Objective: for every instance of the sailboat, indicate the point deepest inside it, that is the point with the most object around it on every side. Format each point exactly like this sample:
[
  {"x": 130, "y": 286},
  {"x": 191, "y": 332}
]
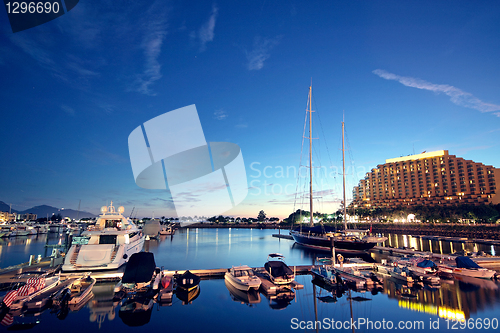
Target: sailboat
[{"x": 322, "y": 237}]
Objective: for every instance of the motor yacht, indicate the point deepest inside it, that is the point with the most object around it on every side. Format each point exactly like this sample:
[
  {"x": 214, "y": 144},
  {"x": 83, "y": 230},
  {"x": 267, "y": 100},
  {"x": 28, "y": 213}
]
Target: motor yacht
[{"x": 107, "y": 245}]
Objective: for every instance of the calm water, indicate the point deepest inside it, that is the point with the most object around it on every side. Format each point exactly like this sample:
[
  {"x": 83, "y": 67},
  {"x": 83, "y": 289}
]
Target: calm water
[{"x": 216, "y": 310}]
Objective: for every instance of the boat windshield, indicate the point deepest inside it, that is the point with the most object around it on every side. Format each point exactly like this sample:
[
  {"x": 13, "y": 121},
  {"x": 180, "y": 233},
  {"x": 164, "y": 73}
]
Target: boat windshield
[
  {"x": 243, "y": 272},
  {"x": 112, "y": 223},
  {"x": 107, "y": 239},
  {"x": 80, "y": 240}
]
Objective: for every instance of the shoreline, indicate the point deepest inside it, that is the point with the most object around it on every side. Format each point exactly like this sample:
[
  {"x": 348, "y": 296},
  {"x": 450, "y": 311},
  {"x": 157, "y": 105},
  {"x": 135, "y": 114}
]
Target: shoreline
[{"x": 478, "y": 231}]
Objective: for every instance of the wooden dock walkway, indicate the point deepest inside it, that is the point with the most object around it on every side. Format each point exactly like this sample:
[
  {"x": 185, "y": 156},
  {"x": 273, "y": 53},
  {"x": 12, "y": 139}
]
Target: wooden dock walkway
[{"x": 219, "y": 272}]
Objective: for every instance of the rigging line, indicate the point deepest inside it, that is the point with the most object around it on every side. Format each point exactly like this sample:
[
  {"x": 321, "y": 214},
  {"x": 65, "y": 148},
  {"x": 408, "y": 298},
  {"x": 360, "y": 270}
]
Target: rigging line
[
  {"x": 322, "y": 132},
  {"x": 353, "y": 166},
  {"x": 301, "y": 154}
]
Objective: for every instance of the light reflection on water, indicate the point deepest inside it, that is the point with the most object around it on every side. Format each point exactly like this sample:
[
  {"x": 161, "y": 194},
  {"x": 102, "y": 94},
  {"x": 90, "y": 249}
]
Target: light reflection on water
[{"x": 215, "y": 309}]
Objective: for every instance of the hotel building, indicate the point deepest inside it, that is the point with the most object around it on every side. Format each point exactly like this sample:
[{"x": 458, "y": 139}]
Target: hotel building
[{"x": 433, "y": 178}]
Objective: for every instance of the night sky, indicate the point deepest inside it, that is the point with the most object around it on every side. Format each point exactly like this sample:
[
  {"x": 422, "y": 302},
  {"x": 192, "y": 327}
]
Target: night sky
[{"x": 407, "y": 77}]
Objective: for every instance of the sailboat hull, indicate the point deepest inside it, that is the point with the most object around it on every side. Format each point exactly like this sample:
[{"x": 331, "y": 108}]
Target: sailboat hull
[{"x": 324, "y": 243}]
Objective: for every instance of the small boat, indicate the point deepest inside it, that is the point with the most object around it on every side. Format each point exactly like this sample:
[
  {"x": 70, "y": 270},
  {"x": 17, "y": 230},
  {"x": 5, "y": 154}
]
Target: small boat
[
  {"x": 6, "y": 230},
  {"x": 422, "y": 269},
  {"x": 152, "y": 228},
  {"x": 188, "y": 281},
  {"x": 167, "y": 230},
  {"x": 166, "y": 289},
  {"x": 327, "y": 274},
  {"x": 35, "y": 286},
  {"x": 401, "y": 273},
  {"x": 187, "y": 296},
  {"x": 141, "y": 275},
  {"x": 466, "y": 267},
  {"x": 277, "y": 270},
  {"x": 46, "y": 298},
  {"x": 242, "y": 278},
  {"x": 80, "y": 288}
]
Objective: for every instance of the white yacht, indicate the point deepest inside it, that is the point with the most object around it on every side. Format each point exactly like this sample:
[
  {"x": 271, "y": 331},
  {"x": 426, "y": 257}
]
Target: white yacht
[
  {"x": 242, "y": 278},
  {"x": 107, "y": 245}
]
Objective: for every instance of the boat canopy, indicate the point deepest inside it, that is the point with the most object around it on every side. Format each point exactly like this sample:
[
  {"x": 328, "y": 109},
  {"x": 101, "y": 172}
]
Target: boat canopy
[
  {"x": 188, "y": 279},
  {"x": 465, "y": 262},
  {"x": 278, "y": 268},
  {"x": 140, "y": 268},
  {"x": 427, "y": 263}
]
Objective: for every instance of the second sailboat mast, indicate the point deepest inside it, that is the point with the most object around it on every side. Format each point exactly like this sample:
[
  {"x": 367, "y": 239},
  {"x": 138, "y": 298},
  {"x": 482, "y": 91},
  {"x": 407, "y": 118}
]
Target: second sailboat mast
[{"x": 310, "y": 160}]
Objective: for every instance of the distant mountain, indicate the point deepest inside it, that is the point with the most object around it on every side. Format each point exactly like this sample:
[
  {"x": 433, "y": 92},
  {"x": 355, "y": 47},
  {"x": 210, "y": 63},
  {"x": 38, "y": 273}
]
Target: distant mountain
[
  {"x": 44, "y": 211},
  {"x": 5, "y": 208}
]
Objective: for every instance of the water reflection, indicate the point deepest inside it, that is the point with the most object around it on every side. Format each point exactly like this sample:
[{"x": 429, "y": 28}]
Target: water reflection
[
  {"x": 136, "y": 311},
  {"x": 222, "y": 248},
  {"x": 438, "y": 245},
  {"x": 103, "y": 305},
  {"x": 249, "y": 298},
  {"x": 455, "y": 299}
]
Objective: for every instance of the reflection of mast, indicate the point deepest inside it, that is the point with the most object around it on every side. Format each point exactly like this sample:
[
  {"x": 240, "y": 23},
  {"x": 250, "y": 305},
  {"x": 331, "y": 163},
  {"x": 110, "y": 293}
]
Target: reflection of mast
[
  {"x": 315, "y": 307},
  {"x": 350, "y": 302}
]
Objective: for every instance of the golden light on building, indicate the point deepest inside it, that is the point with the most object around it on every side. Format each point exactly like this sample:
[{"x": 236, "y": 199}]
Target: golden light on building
[{"x": 434, "y": 178}]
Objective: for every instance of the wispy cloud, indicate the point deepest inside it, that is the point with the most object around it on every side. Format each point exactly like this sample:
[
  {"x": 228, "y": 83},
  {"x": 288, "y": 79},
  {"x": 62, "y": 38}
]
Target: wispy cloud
[
  {"x": 206, "y": 32},
  {"x": 220, "y": 114},
  {"x": 68, "y": 110},
  {"x": 155, "y": 32},
  {"x": 98, "y": 154},
  {"x": 260, "y": 52},
  {"x": 456, "y": 95}
]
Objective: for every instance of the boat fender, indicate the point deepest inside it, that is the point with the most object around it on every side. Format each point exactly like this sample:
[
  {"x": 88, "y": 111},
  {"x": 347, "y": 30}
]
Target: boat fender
[
  {"x": 125, "y": 256},
  {"x": 156, "y": 283},
  {"x": 118, "y": 287}
]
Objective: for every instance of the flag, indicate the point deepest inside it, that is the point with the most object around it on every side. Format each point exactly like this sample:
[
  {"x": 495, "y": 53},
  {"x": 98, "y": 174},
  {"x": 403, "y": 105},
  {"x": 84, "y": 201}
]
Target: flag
[
  {"x": 9, "y": 298},
  {"x": 7, "y": 320}
]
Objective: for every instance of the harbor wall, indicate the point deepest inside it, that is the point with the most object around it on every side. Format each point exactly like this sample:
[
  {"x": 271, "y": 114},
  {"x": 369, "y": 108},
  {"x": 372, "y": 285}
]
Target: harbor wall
[{"x": 450, "y": 230}]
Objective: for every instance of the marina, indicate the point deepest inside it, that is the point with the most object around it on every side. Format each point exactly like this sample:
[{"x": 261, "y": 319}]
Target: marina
[{"x": 200, "y": 250}]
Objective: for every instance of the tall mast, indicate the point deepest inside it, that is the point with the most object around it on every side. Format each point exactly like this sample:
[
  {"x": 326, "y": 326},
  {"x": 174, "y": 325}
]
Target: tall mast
[
  {"x": 343, "y": 176},
  {"x": 311, "y": 223}
]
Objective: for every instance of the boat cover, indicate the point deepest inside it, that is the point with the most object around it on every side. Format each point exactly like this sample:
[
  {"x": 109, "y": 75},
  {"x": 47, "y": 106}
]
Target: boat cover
[
  {"x": 278, "y": 268},
  {"x": 426, "y": 263},
  {"x": 140, "y": 268},
  {"x": 187, "y": 280},
  {"x": 465, "y": 262}
]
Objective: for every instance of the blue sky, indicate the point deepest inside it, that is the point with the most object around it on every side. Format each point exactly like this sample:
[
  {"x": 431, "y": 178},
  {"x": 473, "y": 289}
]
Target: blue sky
[{"x": 407, "y": 76}]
